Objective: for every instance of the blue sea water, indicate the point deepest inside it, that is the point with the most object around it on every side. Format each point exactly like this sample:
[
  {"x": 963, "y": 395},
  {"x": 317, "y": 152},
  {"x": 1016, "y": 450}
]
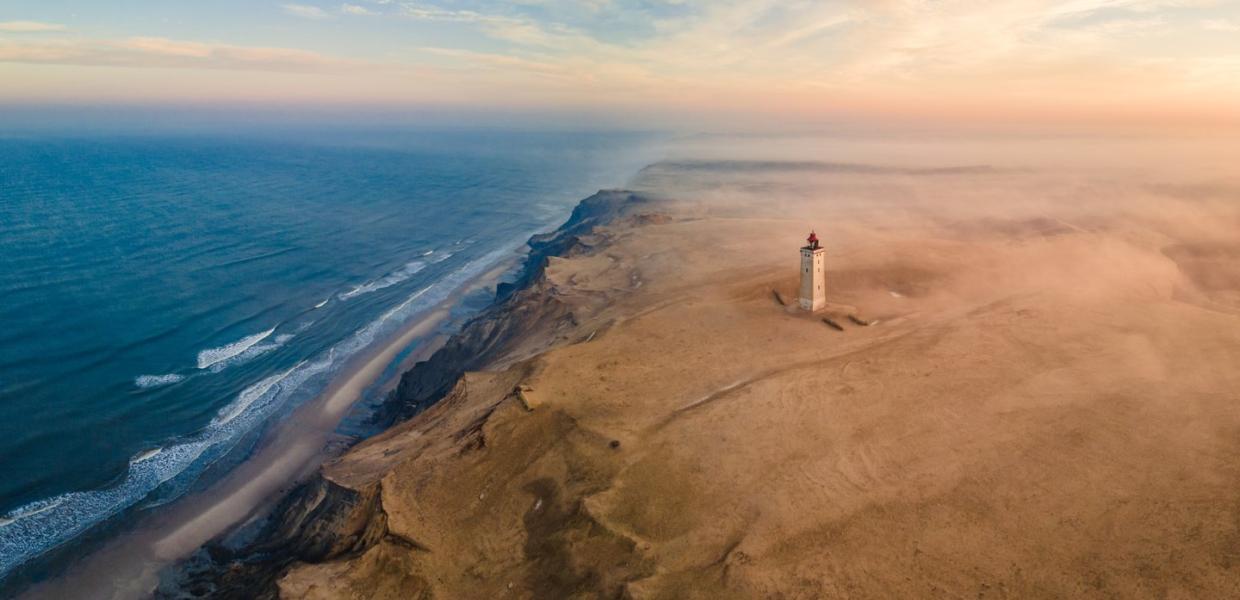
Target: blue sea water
[{"x": 162, "y": 297}]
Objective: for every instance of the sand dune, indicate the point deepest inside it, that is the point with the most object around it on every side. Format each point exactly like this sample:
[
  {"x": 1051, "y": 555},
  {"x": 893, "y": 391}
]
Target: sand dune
[{"x": 1045, "y": 408}]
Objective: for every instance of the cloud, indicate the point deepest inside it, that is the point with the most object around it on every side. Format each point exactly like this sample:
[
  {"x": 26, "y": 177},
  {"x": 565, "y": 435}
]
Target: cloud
[
  {"x": 29, "y": 27},
  {"x": 812, "y": 29},
  {"x": 1220, "y": 25},
  {"x": 798, "y": 57},
  {"x": 946, "y": 57},
  {"x": 305, "y": 11},
  {"x": 434, "y": 13},
  {"x": 156, "y": 52},
  {"x": 498, "y": 61}
]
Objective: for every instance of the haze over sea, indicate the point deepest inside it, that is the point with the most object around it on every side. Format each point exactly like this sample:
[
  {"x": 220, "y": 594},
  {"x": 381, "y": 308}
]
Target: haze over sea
[{"x": 163, "y": 296}]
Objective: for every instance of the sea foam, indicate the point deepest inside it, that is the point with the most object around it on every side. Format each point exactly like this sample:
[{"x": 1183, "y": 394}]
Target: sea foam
[
  {"x": 146, "y": 455},
  {"x": 252, "y": 352},
  {"x": 249, "y": 395},
  {"x": 32, "y": 529},
  {"x": 32, "y": 509},
  {"x": 398, "y": 276},
  {"x": 211, "y": 356},
  {"x": 150, "y": 381}
]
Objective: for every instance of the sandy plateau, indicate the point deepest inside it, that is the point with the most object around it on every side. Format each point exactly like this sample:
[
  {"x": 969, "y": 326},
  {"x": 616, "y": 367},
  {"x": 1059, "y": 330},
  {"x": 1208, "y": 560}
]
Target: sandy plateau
[{"x": 1045, "y": 404}]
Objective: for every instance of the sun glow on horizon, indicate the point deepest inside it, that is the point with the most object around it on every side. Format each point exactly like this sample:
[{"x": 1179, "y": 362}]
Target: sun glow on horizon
[{"x": 1175, "y": 62}]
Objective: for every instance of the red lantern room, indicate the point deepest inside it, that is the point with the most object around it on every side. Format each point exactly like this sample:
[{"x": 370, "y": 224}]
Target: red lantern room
[{"x": 813, "y": 240}]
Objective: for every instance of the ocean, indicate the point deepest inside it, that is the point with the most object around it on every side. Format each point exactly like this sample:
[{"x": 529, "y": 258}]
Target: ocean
[{"x": 163, "y": 297}]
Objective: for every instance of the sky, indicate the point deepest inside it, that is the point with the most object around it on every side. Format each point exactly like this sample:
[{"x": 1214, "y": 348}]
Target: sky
[{"x": 1174, "y": 63}]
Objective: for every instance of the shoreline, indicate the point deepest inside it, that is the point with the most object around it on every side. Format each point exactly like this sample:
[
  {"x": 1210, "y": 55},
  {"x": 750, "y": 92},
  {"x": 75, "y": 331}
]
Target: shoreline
[
  {"x": 288, "y": 452},
  {"x": 641, "y": 415},
  {"x": 324, "y": 518}
]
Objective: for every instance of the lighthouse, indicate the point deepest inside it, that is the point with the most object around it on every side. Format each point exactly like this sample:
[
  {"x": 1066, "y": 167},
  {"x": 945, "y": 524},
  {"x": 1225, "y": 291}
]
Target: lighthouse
[{"x": 813, "y": 274}]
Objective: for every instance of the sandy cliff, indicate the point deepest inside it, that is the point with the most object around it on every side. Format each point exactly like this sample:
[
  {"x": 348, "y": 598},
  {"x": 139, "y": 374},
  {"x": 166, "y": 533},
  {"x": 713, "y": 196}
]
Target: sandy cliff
[
  {"x": 325, "y": 519},
  {"x": 1033, "y": 395}
]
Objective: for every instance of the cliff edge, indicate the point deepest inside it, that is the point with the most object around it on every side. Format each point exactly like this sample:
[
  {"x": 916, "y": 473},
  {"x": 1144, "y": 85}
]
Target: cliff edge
[
  {"x": 339, "y": 514},
  {"x": 1003, "y": 399}
]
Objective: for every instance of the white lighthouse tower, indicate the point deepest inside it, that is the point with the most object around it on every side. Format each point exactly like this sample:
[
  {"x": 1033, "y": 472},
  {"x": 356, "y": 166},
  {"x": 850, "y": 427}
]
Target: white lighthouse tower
[{"x": 813, "y": 275}]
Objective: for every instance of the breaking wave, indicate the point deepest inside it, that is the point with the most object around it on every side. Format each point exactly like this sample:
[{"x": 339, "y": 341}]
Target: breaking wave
[
  {"x": 146, "y": 455},
  {"x": 250, "y": 395},
  {"x": 402, "y": 274},
  {"x": 30, "y": 510},
  {"x": 32, "y": 529},
  {"x": 252, "y": 352},
  {"x": 212, "y": 356},
  {"x": 150, "y": 381},
  {"x": 36, "y": 527}
]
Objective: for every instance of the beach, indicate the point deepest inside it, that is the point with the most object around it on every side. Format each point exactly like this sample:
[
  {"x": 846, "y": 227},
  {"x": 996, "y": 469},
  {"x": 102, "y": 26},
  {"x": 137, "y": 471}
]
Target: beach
[
  {"x": 619, "y": 300},
  {"x": 129, "y": 567},
  {"x": 1030, "y": 398},
  {"x": 163, "y": 316},
  {"x": 1026, "y": 400}
]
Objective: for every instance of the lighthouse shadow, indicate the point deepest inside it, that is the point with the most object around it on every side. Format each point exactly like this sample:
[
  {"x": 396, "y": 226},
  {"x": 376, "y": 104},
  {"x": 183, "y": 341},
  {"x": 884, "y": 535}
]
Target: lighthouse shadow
[{"x": 834, "y": 315}]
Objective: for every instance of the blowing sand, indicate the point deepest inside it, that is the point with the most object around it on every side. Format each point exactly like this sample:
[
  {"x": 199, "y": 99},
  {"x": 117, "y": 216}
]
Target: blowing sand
[{"x": 1045, "y": 408}]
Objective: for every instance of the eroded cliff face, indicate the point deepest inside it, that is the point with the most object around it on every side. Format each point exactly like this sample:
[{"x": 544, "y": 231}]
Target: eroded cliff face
[
  {"x": 482, "y": 496},
  {"x": 320, "y": 520},
  {"x": 528, "y": 316},
  {"x": 339, "y": 515},
  {"x": 1024, "y": 407},
  {"x": 1031, "y": 400}
]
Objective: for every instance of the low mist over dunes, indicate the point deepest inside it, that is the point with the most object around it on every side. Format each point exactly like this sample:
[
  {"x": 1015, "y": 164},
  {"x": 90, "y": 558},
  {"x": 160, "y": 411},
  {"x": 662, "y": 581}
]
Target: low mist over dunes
[
  {"x": 1028, "y": 391},
  {"x": 872, "y": 299}
]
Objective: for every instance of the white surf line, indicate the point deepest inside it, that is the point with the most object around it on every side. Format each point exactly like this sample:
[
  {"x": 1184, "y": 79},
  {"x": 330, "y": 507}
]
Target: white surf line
[
  {"x": 400, "y": 275},
  {"x": 211, "y": 356},
  {"x": 146, "y": 455},
  {"x": 14, "y": 517},
  {"x": 151, "y": 381},
  {"x": 292, "y": 447},
  {"x": 250, "y": 395}
]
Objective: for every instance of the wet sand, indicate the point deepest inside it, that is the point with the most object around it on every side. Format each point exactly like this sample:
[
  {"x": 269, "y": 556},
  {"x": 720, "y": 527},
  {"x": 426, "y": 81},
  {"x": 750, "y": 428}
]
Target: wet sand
[{"x": 292, "y": 449}]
